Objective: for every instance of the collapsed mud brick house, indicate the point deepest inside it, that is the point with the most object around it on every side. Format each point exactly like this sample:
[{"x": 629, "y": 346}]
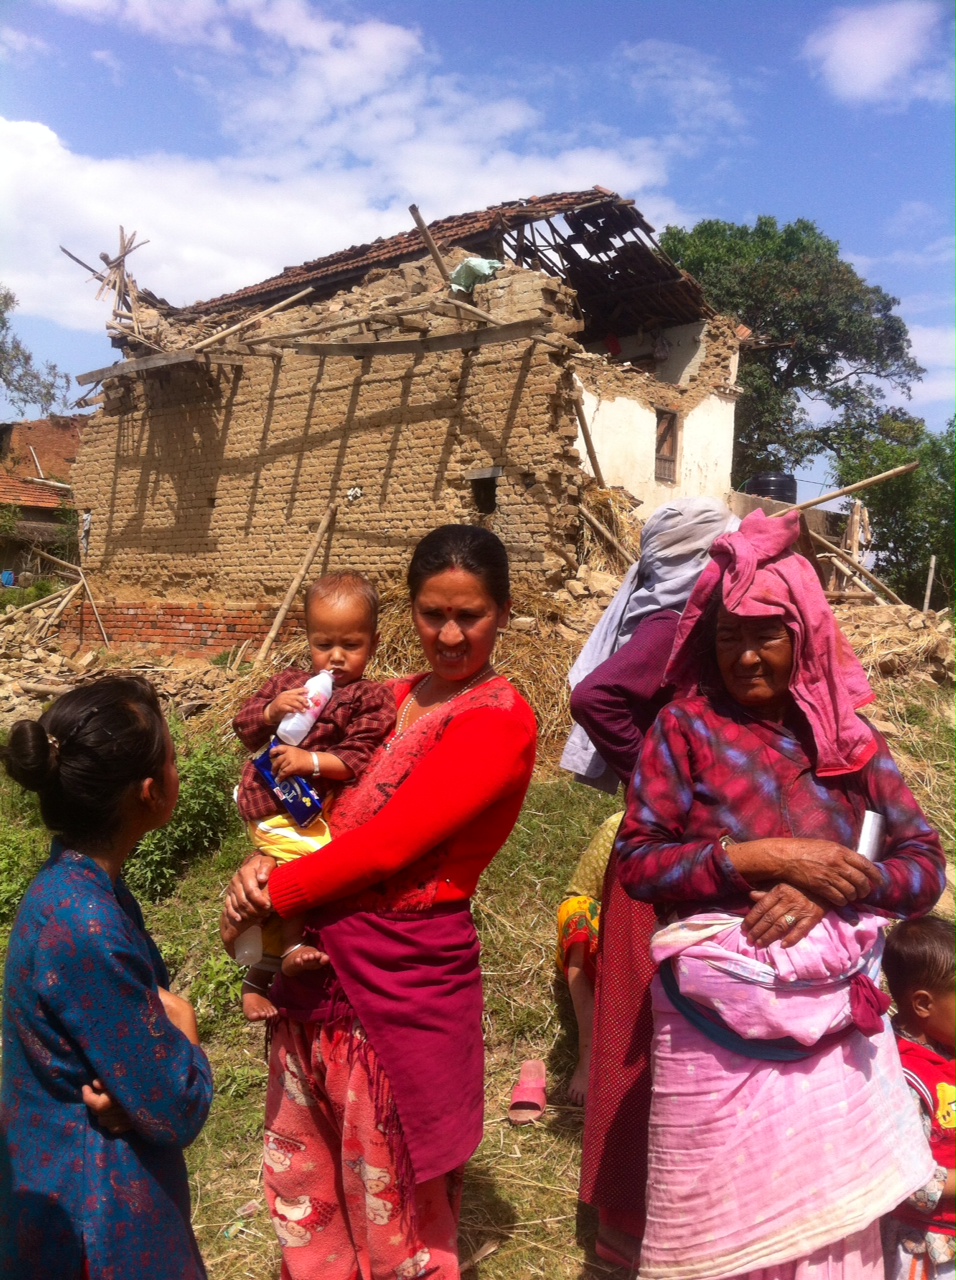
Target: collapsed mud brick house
[
  {"x": 364, "y": 380},
  {"x": 36, "y": 500}
]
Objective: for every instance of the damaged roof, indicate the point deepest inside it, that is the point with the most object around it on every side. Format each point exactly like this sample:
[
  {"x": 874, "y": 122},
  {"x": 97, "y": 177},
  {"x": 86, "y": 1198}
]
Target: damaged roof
[{"x": 595, "y": 241}]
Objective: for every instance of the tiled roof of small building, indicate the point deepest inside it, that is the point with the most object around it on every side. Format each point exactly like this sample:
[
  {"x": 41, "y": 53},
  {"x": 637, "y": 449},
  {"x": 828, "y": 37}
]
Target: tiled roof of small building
[{"x": 55, "y": 441}]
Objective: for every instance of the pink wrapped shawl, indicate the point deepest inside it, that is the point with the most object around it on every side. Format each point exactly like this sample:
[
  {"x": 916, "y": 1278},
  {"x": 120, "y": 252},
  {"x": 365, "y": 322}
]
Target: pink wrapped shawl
[
  {"x": 759, "y": 575},
  {"x": 756, "y": 1164}
]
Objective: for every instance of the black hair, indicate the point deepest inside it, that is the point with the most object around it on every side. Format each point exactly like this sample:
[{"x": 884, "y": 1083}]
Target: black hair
[
  {"x": 919, "y": 956},
  {"x": 86, "y": 751},
  {"x": 462, "y": 546},
  {"x": 345, "y": 586}
]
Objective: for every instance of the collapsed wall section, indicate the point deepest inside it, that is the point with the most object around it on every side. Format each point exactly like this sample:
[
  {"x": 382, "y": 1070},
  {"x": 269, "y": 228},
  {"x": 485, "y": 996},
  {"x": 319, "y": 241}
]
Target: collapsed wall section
[{"x": 207, "y": 483}]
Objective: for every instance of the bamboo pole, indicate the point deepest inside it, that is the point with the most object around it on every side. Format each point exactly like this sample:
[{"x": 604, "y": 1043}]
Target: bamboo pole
[
  {"x": 852, "y": 488},
  {"x": 607, "y": 535},
  {"x": 840, "y": 554},
  {"x": 588, "y": 442},
  {"x": 65, "y": 564},
  {"x": 251, "y": 320},
  {"x": 929, "y": 583},
  {"x": 59, "y": 610},
  {"x": 430, "y": 244},
  {"x": 296, "y": 584},
  {"x": 34, "y": 604}
]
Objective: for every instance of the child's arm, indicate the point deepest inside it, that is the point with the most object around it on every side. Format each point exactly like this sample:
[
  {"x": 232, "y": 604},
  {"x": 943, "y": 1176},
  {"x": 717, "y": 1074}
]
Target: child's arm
[
  {"x": 363, "y": 720},
  {"x": 256, "y": 720},
  {"x": 293, "y": 762}
]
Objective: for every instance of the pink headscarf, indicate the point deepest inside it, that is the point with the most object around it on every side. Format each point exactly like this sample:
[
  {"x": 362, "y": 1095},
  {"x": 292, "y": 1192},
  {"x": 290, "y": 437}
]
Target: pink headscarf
[{"x": 759, "y": 575}]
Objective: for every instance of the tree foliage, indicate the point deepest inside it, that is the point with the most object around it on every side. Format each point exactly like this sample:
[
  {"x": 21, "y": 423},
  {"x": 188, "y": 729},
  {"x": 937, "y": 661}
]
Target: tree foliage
[
  {"x": 819, "y": 332},
  {"x": 911, "y": 517},
  {"x": 25, "y": 382}
]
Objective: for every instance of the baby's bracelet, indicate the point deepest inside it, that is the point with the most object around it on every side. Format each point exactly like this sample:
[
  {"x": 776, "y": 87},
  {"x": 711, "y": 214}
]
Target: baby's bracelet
[{"x": 316, "y": 764}]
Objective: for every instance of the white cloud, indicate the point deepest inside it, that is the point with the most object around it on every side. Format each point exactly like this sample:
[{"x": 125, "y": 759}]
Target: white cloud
[
  {"x": 934, "y": 347},
  {"x": 887, "y": 53},
  {"x": 330, "y": 129},
  {"x": 106, "y": 58},
  {"x": 691, "y": 85},
  {"x": 14, "y": 43},
  {"x": 939, "y": 252}
]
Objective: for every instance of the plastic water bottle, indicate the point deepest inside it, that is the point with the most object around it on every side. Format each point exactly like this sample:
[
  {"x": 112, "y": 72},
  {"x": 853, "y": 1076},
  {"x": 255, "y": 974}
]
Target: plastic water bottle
[
  {"x": 249, "y": 946},
  {"x": 294, "y": 727}
]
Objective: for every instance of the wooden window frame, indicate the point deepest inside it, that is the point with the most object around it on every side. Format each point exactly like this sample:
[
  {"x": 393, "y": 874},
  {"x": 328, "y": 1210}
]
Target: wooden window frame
[{"x": 667, "y": 447}]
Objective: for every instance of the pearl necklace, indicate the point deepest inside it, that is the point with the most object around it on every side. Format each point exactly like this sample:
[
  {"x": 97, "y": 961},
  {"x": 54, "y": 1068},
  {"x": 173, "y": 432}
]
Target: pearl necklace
[{"x": 413, "y": 697}]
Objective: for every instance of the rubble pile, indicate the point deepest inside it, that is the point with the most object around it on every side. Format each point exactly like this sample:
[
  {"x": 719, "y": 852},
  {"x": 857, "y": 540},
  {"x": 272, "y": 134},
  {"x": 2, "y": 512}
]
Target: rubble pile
[
  {"x": 897, "y": 640},
  {"x": 33, "y": 671}
]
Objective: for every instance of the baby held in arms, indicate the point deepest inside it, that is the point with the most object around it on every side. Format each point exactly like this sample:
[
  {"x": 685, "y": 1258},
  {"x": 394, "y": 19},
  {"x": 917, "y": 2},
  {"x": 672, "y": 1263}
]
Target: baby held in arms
[{"x": 323, "y": 730}]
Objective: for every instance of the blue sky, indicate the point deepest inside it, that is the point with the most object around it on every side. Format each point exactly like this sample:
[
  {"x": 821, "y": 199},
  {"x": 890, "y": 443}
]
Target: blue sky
[{"x": 241, "y": 136}]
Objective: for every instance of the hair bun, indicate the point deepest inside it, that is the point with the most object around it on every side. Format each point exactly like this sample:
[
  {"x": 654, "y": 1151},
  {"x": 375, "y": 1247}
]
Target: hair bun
[{"x": 31, "y": 755}]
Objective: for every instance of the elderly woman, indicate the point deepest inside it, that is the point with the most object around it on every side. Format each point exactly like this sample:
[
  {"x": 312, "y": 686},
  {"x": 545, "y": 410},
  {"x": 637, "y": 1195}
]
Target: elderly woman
[
  {"x": 618, "y": 690},
  {"x": 376, "y": 1088},
  {"x": 779, "y": 1125}
]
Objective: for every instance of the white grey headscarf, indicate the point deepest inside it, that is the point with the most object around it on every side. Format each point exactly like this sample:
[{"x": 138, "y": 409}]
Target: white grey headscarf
[{"x": 675, "y": 549}]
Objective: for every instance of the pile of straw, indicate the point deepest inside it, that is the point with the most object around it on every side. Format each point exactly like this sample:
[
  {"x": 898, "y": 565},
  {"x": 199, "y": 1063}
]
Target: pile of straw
[{"x": 893, "y": 640}]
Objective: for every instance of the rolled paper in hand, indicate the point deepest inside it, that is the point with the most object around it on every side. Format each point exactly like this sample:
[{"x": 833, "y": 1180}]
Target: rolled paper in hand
[{"x": 870, "y": 844}]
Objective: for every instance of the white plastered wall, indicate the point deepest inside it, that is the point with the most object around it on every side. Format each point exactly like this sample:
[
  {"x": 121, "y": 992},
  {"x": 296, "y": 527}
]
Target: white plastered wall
[{"x": 625, "y": 437}]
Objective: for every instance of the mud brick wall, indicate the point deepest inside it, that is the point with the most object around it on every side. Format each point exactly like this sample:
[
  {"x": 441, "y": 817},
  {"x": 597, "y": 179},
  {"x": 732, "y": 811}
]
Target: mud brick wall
[{"x": 207, "y": 484}]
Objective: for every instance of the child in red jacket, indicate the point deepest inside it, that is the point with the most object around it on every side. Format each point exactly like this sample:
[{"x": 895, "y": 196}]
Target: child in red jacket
[
  {"x": 341, "y": 622},
  {"x": 918, "y": 1237}
]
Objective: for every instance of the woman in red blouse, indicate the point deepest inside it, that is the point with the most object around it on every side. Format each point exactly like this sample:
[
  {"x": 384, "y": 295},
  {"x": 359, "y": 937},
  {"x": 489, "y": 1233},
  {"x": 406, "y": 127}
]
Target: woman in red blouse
[{"x": 375, "y": 1098}]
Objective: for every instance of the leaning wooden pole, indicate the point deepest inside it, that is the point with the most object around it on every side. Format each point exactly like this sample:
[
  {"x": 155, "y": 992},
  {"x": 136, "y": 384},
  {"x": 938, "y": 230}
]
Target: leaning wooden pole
[
  {"x": 430, "y": 244},
  {"x": 857, "y": 568},
  {"x": 607, "y": 535},
  {"x": 65, "y": 564},
  {"x": 296, "y": 583},
  {"x": 588, "y": 442},
  {"x": 852, "y": 488}
]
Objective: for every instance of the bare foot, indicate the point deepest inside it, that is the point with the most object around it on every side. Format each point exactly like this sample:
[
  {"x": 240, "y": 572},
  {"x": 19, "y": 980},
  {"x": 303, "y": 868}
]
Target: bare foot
[
  {"x": 577, "y": 1091},
  {"x": 301, "y": 959},
  {"x": 256, "y": 1007}
]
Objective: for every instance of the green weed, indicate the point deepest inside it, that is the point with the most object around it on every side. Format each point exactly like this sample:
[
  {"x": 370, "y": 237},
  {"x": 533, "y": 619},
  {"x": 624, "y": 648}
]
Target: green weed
[{"x": 204, "y": 817}]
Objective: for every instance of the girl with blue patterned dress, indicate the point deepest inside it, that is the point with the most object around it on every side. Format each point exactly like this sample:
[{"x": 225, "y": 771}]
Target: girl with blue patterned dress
[{"x": 104, "y": 1082}]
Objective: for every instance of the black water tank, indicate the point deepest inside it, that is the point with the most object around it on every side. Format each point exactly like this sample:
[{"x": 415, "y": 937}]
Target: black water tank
[{"x": 773, "y": 484}]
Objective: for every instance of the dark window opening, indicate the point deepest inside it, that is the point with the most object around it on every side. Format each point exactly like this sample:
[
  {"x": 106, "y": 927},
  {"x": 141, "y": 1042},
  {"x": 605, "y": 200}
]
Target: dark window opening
[
  {"x": 484, "y": 490},
  {"x": 665, "y": 458}
]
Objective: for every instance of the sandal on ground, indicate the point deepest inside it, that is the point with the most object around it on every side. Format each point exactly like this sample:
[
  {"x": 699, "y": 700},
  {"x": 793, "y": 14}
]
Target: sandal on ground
[{"x": 528, "y": 1099}]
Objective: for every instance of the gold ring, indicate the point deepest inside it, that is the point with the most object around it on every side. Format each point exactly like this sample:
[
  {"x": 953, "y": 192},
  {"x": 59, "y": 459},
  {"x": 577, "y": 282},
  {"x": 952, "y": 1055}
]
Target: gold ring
[{"x": 790, "y": 920}]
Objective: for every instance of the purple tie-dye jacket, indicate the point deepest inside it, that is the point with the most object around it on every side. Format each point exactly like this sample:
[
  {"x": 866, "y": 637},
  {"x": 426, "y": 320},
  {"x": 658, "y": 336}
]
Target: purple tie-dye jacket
[
  {"x": 81, "y": 1003},
  {"x": 708, "y": 770}
]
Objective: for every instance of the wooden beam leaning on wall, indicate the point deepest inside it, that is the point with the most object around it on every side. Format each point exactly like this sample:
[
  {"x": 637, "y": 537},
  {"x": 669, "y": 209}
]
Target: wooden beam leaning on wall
[
  {"x": 519, "y": 331},
  {"x": 295, "y": 584},
  {"x": 164, "y": 361}
]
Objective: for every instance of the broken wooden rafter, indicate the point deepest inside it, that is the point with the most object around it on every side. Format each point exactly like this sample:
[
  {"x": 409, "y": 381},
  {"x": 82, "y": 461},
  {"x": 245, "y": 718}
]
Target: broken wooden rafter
[
  {"x": 839, "y": 554},
  {"x": 162, "y": 361},
  {"x": 462, "y": 340},
  {"x": 251, "y": 320},
  {"x": 853, "y": 488},
  {"x": 430, "y": 244}
]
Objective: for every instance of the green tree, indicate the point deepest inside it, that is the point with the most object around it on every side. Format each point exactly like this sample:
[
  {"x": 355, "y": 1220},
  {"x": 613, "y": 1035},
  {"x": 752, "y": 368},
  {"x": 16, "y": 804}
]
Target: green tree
[
  {"x": 25, "y": 382},
  {"x": 912, "y": 517},
  {"x": 819, "y": 332}
]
